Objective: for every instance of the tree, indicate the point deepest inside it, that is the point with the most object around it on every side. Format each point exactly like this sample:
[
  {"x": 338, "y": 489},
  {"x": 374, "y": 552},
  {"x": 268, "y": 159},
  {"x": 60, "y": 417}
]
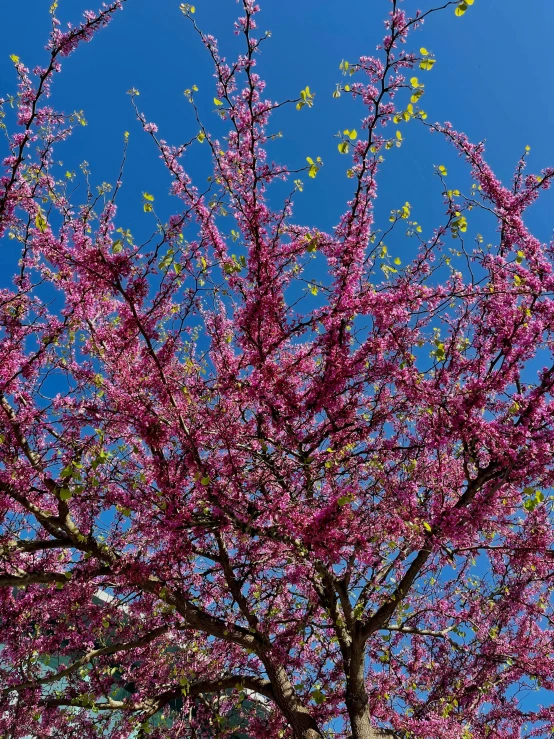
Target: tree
[{"x": 216, "y": 496}]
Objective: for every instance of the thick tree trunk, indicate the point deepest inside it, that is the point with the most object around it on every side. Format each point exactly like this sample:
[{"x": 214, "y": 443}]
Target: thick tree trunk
[
  {"x": 299, "y": 718},
  {"x": 357, "y": 705},
  {"x": 356, "y": 696},
  {"x": 361, "y": 726}
]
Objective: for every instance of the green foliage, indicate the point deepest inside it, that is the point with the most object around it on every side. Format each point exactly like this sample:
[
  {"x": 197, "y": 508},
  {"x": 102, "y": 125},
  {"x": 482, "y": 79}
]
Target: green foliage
[
  {"x": 462, "y": 7},
  {"x": 314, "y": 167},
  {"x": 306, "y": 98}
]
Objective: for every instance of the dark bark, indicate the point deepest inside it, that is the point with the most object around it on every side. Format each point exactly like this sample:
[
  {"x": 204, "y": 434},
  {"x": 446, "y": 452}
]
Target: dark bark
[
  {"x": 357, "y": 702},
  {"x": 356, "y": 696},
  {"x": 302, "y": 723}
]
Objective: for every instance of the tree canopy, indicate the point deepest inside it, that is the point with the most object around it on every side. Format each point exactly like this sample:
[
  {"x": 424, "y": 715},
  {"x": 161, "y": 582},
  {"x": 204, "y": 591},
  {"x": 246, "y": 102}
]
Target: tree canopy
[{"x": 256, "y": 476}]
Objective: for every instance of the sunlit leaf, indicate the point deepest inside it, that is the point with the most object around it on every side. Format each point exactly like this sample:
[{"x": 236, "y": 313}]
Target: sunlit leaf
[{"x": 427, "y": 64}]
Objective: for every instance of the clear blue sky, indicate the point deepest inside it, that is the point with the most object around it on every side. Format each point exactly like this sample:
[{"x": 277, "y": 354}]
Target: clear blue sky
[{"x": 493, "y": 80}]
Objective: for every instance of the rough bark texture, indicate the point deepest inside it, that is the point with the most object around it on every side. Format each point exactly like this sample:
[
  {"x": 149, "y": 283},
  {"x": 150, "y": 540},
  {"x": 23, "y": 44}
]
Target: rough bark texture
[
  {"x": 356, "y": 696},
  {"x": 302, "y": 723}
]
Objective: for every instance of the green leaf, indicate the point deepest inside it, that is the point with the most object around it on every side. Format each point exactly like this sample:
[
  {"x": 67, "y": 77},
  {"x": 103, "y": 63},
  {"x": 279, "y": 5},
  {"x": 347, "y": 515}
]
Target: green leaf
[
  {"x": 427, "y": 64},
  {"x": 426, "y": 526},
  {"x": 40, "y": 221},
  {"x": 14, "y": 58},
  {"x": 443, "y": 170},
  {"x": 352, "y": 134},
  {"x": 65, "y": 494},
  {"x": 147, "y": 196},
  {"x": 205, "y": 481},
  {"x": 217, "y": 102},
  {"x": 314, "y": 166},
  {"x": 343, "y": 147},
  {"x": 345, "y": 500},
  {"x": 307, "y": 98},
  {"x": 201, "y": 136},
  {"x": 461, "y": 9},
  {"x": 311, "y": 243},
  {"x": 318, "y": 697},
  {"x": 408, "y": 113}
]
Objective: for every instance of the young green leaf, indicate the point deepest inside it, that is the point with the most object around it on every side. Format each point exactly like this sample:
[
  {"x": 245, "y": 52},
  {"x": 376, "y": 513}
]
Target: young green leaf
[{"x": 427, "y": 64}]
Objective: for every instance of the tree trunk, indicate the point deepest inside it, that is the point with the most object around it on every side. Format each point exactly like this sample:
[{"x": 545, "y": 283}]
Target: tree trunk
[
  {"x": 356, "y": 703},
  {"x": 356, "y": 696},
  {"x": 299, "y": 718}
]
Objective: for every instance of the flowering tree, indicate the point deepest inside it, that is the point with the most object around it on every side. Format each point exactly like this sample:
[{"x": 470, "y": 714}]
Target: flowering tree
[{"x": 325, "y": 521}]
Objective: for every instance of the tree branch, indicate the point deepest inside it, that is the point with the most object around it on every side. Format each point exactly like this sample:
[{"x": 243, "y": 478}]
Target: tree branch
[
  {"x": 34, "y": 545},
  {"x": 88, "y": 657},
  {"x": 155, "y": 704}
]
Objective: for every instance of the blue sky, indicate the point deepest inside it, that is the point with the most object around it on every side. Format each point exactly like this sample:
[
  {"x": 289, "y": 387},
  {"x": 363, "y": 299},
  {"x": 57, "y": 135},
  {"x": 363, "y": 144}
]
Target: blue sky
[{"x": 493, "y": 80}]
